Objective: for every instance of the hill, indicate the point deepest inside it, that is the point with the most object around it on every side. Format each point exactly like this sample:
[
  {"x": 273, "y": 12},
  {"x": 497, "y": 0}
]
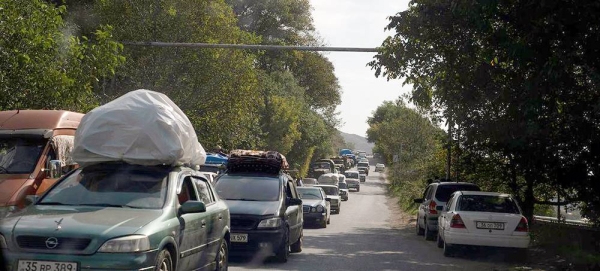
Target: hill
[{"x": 359, "y": 142}]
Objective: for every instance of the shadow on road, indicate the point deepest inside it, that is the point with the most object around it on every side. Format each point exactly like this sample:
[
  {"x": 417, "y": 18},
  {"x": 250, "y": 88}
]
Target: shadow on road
[{"x": 377, "y": 249}]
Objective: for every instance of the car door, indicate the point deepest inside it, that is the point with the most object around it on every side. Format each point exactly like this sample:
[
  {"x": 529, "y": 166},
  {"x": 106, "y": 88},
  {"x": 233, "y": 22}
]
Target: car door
[
  {"x": 293, "y": 213},
  {"x": 192, "y": 237},
  {"x": 424, "y": 205},
  {"x": 215, "y": 220}
]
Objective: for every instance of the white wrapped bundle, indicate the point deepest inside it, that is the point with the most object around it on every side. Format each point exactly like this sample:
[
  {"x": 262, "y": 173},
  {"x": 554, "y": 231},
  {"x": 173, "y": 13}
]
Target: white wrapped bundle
[{"x": 142, "y": 127}]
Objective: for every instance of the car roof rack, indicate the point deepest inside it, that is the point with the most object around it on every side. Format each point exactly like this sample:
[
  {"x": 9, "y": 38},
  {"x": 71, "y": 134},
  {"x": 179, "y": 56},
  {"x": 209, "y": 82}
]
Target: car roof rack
[{"x": 253, "y": 161}]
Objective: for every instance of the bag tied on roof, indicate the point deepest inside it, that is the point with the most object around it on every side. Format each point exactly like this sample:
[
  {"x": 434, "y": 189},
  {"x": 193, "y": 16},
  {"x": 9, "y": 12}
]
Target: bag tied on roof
[{"x": 142, "y": 127}]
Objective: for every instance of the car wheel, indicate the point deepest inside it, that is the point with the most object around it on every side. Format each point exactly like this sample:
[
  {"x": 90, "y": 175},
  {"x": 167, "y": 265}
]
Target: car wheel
[
  {"x": 323, "y": 223},
  {"x": 222, "y": 260},
  {"x": 284, "y": 250},
  {"x": 448, "y": 249},
  {"x": 427, "y": 233},
  {"x": 164, "y": 261},
  {"x": 328, "y": 220},
  {"x": 419, "y": 229},
  {"x": 357, "y": 189},
  {"x": 297, "y": 246},
  {"x": 440, "y": 243}
]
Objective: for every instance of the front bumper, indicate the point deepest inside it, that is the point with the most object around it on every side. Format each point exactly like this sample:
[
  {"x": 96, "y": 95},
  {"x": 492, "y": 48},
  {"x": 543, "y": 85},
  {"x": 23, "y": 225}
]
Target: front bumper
[
  {"x": 314, "y": 217},
  {"x": 465, "y": 238},
  {"x": 259, "y": 241},
  {"x": 95, "y": 262}
]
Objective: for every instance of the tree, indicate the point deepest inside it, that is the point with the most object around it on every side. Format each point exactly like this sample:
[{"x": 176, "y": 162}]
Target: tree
[
  {"x": 43, "y": 66},
  {"x": 518, "y": 81}
]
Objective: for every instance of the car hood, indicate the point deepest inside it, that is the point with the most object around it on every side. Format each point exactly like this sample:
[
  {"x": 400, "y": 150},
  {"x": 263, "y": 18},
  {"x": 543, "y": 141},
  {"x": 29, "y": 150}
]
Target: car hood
[
  {"x": 312, "y": 202},
  {"x": 96, "y": 223},
  {"x": 9, "y": 185},
  {"x": 243, "y": 207}
]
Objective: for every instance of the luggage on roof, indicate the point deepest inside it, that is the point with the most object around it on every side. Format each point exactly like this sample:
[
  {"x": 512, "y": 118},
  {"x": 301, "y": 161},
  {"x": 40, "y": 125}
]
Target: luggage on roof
[{"x": 270, "y": 162}]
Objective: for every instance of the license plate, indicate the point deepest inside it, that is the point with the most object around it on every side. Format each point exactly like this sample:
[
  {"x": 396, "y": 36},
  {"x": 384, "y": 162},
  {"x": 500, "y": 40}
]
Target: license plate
[
  {"x": 489, "y": 225},
  {"x": 239, "y": 238},
  {"x": 26, "y": 265}
]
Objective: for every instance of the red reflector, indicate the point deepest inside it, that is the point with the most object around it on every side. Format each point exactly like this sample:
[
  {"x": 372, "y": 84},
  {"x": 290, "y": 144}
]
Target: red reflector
[
  {"x": 432, "y": 206},
  {"x": 457, "y": 222},
  {"x": 523, "y": 226}
]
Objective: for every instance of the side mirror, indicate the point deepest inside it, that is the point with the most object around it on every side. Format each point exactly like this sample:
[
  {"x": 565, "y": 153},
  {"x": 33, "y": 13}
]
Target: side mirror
[
  {"x": 292, "y": 202},
  {"x": 327, "y": 199},
  {"x": 439, "y": 208},
  {"x": 54, "y": 169},
  {"x": 192, "y": 206},
  {"x": 419, "y": 201}
]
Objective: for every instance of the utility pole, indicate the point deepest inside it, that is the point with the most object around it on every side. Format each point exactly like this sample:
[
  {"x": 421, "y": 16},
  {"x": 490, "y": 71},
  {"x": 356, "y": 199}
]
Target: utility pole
[{"x": 449, "y": 157}]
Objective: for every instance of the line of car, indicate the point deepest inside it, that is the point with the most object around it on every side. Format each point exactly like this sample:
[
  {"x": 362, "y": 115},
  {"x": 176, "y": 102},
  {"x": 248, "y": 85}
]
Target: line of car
[{"x": 459, "y": 214}]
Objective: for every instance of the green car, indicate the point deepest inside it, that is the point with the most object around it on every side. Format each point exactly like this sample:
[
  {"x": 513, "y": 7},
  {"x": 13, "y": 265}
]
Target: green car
[{"x": 118, "y": 216}]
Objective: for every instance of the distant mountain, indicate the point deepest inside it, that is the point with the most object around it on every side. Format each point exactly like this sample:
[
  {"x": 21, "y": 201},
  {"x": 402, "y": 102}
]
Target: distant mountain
[{"x": 359, "y": 142}]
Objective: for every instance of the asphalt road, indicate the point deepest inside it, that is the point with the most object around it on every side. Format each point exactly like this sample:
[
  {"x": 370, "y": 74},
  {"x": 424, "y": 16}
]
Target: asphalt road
[{"x": 363, "y": 237}]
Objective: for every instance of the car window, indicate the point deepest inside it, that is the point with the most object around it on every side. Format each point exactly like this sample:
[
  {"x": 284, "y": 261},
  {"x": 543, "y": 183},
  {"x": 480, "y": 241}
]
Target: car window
[
  {"x": 427, "y": 194},
  {"x": 204, "y": 191},
  {"x": 112, "y": 185},
  {"x": 444, "y": 192},
  {"x": 343, "y": 185},
  {"x": 251, "y": 188},
  {"x": 330, "y": 190},
  {"x": 310, "y": 193},
  {"x": 187, "y": 191},
  {"x": 485, "y": 203}
]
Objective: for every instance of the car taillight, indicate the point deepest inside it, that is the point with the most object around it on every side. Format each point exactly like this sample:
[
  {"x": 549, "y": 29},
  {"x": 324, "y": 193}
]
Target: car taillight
[
  {"x": 457, "y": 222},
  {"x": 523, "y": 225},
  {"x": 432, "y": 206}
]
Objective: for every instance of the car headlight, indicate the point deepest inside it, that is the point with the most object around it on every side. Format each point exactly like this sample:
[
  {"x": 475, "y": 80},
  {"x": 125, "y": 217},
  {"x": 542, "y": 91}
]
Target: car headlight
[
  {"x": 320, "y": 209},
  {"x": 313, "y": 209},
  {"x": 274, "y": 222},
  {"x": 7, "y": 210},
  {"x": 2, "y": 242},
  {"x": 133, "y": 243}
]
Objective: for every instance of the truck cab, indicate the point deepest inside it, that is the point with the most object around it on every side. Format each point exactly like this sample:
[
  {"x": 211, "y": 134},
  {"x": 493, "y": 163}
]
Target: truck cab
[{"x": 35, "y": 150}]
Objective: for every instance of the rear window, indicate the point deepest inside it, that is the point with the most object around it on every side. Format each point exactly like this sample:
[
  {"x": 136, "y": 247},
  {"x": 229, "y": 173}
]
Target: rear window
[
  {"x": 444, "y": 192},
  {"x": 363, "y": 164},
  {"x": 351, "y": 175},
  {"x": 490, "y": 204}
]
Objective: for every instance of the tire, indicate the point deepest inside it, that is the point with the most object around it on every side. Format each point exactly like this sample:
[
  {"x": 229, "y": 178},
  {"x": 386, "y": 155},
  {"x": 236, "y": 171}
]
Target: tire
[
  {"x": 449, "y": 250},
  {"x": 297, "y": 246},
  {"x": 329, "y": 220},
  {"x": 222, "y": 259},
  {"x": 420, "y": 230},
  {"x": 440, "y": 243},
  {"x": 283, "y": 253},
  {"x": 164, "y": 261},
  {"x": 427, "y": 233},
  {"x": 323, "y": 224},
  {"x": 357, "y": 189}
]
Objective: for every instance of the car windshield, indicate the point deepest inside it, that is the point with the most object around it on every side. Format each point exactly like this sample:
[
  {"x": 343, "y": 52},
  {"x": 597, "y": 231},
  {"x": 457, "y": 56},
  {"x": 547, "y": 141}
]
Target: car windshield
[
  {"x": 248, "y": 187},
  {"x": 363, "y": 165},
  {"x": 343, "y": 185},
  {"x": 444, "y": 192},
  {"x": 20, "y": 155},
  {"x": 485, "y": 203},
  {"x": 120, "y": 185},
  {"x": 310, "y": 193},
  {"x": 351, "y": 175},
  {"x": 330, "y": 190}
]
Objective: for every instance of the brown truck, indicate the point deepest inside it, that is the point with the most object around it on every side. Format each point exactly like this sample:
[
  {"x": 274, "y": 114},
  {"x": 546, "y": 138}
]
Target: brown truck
[{"x": 35, "y": 150}]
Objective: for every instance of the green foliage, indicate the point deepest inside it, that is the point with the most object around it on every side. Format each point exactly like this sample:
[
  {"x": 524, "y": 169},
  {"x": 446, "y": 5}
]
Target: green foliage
[
  {"x": 521, "y": 87},
  {"x": 43, "y": 66}
]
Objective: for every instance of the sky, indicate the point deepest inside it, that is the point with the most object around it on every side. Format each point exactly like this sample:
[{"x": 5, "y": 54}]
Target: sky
[{"x": 357, "y": 23}]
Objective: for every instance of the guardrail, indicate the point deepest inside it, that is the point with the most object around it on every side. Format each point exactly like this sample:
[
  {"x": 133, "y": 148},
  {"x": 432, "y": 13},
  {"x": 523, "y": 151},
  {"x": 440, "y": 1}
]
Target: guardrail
[{"x": 570, "y": 222}]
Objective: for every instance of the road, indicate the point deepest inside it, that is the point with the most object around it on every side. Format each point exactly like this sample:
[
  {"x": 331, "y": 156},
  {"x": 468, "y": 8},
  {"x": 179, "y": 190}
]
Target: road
[{"x": 365, "y": 236}]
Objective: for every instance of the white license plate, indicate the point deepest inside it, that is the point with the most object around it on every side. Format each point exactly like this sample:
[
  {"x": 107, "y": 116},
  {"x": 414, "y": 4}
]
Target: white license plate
[
  {"x": 26, "y": 265},
  {"x": 239, "y": 238},
  {"x": 489, "y": 225}
]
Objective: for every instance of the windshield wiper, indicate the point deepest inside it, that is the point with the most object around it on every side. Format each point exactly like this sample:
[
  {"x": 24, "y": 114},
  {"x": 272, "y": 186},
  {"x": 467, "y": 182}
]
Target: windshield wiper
[
  {"x": 52, "y": 203},
  {"x": 110, "y": 205}
]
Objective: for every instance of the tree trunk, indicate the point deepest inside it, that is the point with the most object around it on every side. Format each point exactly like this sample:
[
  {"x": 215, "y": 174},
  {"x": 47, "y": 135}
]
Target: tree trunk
[{"x": 529, "y": 199}]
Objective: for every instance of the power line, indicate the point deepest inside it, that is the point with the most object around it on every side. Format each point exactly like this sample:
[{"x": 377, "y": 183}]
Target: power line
[{"x": 250, "y": 47}]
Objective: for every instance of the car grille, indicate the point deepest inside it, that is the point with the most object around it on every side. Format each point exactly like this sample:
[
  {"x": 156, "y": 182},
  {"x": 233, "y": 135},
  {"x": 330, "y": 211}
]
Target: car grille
[
  {"x": 242, "y": 223},
  {"x": 306, "y": 208},
  {"x": 47, "y": 243}
]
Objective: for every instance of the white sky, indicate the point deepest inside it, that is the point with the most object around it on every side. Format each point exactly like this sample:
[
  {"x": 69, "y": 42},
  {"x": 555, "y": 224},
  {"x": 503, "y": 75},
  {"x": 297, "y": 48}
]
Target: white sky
[{"x": 357, "y": 23}]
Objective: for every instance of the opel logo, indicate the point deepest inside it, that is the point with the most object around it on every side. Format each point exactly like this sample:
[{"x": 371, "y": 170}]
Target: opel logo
[{"x": 51, "y": 242}]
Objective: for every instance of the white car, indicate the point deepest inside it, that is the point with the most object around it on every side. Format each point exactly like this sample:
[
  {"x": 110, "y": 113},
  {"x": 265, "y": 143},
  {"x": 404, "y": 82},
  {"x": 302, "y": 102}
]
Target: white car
[
  {"x": 379, "y": 167},
  {"x": 482, "y": 219}
]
